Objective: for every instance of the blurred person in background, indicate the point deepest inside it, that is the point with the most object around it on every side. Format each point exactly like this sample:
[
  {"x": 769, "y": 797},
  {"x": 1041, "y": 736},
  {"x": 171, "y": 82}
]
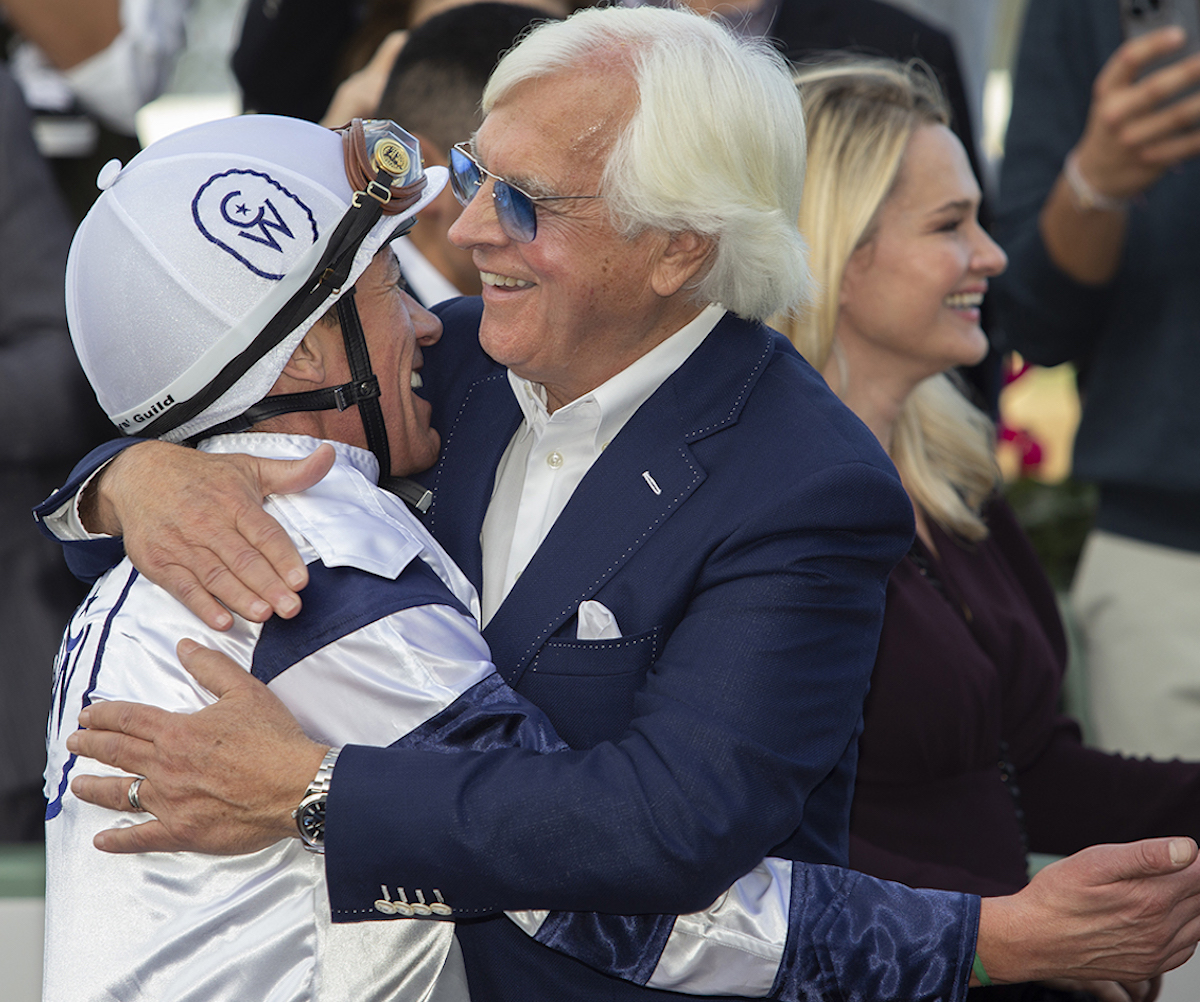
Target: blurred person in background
[
  {"x": 85, "y": 68},
  {"x": 435, "y": 88},
  {"x": 972, "y": 24},
  {"x": 965, "y": 763},
  {"x": 330, "y": 62},
  {"x": 1100, "y": 193},
  {"x": 114, "y": 55},
  {"x": 49, "y": 413}
]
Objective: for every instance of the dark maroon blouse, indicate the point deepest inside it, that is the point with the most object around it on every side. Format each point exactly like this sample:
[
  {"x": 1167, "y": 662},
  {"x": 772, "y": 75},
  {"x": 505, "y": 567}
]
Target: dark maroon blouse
[{"x": 969, "y": 669}]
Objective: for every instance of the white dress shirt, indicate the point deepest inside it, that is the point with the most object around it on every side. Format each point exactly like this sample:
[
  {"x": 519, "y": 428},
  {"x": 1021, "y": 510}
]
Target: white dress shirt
[
  {"x": 429, "y": 286},
  {"x": 551, "y": 453}
]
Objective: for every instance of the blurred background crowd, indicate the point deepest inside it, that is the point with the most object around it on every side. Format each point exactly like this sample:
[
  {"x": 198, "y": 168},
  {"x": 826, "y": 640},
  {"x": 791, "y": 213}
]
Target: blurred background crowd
[{"x": 1091, "y": 328}]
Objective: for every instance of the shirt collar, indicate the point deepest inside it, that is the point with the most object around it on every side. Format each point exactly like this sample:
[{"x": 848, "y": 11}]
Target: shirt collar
[
  {"x": 282, "y": 445},
  {"x": 616, "y": 400},
  {"x": 429, "y": 286}
]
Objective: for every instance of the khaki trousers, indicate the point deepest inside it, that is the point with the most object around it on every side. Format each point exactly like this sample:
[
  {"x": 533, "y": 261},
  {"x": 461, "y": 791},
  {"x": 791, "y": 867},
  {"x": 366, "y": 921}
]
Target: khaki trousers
[{"x": 1137, "y": 606}]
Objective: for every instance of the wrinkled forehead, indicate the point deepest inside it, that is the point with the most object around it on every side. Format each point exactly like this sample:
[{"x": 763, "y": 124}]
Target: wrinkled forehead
[{"x": 573, "y": 116}]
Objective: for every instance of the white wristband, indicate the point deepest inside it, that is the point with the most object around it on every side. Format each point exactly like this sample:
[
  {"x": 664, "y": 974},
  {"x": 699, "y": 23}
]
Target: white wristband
[{"x": 1087, "y": 197}]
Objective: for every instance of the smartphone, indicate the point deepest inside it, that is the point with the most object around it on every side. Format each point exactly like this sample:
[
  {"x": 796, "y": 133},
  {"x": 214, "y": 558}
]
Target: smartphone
[{"x": 1139, "y": 17}]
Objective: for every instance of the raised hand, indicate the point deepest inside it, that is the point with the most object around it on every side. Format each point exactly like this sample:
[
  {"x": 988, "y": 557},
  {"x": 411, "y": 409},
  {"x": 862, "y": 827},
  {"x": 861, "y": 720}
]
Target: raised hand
[{"x": 1135, "y": 132}]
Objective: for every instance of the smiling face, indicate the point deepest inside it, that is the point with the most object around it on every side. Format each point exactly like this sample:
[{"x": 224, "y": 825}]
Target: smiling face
[
  {"x": 910, "y": 296},
  {"x": 396, "y": 327},
  {"x": 579, "y": 302}
]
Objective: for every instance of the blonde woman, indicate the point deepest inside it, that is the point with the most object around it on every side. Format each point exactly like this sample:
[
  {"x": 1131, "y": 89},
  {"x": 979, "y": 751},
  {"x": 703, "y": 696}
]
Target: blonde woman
[{"x": 965, "y": 763}]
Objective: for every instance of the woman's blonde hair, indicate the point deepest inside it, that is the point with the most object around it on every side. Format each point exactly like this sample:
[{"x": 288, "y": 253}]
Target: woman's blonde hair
[{"x": 860, "y": 114}]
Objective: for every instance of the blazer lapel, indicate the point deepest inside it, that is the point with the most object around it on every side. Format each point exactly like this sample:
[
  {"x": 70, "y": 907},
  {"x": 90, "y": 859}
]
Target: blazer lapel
[
  {"x": 644, "y": 477},
  {"x": 638, "y": 482},
  {"x": 462, "y": 481}
]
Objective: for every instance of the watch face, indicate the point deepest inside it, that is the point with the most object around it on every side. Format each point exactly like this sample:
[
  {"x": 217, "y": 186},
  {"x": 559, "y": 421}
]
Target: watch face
[{"x": 311, "y": 820}]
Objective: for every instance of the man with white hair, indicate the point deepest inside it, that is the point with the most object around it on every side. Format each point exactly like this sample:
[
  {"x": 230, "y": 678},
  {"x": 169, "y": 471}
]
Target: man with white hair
[{"x": 682, "y": 540}]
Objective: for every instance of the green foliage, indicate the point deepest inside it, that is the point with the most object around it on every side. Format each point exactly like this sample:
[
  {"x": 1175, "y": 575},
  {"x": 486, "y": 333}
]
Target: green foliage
[{"x": 1057, "y": 518}]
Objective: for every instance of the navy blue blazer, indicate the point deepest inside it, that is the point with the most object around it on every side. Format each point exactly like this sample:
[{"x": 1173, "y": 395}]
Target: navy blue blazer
[{"x": 741, "y": 528}]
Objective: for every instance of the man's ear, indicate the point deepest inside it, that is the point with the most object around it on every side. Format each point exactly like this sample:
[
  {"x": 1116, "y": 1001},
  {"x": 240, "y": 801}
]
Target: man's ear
[
  {"x": 307, "y": 364},
  {"x": 683, "y": 258}
]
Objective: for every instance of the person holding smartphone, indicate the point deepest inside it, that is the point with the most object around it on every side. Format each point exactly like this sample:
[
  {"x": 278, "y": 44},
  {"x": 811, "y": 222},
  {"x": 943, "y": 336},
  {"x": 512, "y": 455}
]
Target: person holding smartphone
[{"x": 1098, "y": 202}]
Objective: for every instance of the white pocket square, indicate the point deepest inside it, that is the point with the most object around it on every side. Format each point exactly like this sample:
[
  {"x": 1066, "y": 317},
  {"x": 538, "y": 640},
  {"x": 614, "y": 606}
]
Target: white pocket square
[{"x": 596, "y": 622}]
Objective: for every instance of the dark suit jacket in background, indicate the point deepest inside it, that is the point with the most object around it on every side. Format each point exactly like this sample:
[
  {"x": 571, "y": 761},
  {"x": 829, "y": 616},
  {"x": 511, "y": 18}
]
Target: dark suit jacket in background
[
  {"x": 287, "y": 52},
  {"x": 48, "y": 416},
  {"x": 806, "y": 28}
]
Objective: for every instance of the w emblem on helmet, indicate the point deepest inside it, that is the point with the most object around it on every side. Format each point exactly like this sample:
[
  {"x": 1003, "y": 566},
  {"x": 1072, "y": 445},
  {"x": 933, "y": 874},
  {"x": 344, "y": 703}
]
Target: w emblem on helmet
[{"x": 252, "y": 217}]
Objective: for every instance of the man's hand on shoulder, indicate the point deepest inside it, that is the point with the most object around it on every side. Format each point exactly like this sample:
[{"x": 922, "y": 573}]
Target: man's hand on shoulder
[
  {"x": 193, "y": 523},
  {"x": 222, "y": 780}
]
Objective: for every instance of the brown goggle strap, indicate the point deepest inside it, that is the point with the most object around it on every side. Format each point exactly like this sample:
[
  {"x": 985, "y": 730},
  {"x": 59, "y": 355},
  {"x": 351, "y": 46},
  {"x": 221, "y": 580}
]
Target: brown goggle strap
[{"x": 364, "y": 177}]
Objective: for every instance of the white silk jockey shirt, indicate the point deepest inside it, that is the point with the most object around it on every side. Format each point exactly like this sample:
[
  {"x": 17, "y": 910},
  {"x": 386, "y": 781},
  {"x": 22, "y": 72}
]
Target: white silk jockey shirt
[
  {"x": 186, "y": 926},
  {"x": 388, "y": 641}
]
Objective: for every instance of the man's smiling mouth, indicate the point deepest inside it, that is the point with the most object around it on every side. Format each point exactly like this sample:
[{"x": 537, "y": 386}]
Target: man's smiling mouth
[{"x": 503, "y": 281}]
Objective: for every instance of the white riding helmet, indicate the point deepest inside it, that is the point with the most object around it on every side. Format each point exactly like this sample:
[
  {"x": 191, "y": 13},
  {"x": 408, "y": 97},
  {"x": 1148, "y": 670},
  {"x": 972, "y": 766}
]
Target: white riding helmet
[{"x": 208, "y": 257}]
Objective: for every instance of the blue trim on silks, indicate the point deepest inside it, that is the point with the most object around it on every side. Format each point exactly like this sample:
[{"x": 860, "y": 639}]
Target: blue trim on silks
[
  {"x": 628, "y": 946},
  {"x": 90, "y": 559},
  {"x": 488, "y": 715},
  {"x": 87, "y": 559},
  {"x": 338, "y": 601},
  {"x": 54, "y": 807},
  {"x": 888, "y": 941}
]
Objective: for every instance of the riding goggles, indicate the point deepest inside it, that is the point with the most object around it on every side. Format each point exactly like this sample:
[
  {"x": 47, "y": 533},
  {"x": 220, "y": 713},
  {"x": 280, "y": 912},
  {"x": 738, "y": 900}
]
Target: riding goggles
[
  {"x": 383, "y": 161},
  {"x": 516, "y": 209}
]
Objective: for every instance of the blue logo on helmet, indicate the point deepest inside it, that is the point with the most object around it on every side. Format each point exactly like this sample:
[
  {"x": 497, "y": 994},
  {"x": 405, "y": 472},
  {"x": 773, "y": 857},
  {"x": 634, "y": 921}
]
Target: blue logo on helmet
[{"x": 254, "y": 218}]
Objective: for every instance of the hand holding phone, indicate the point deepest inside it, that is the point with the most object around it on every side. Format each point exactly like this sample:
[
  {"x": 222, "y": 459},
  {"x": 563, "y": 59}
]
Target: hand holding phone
[
  {"x": 1145, "y": 108},
  {"x": 1141, "y": 17}
]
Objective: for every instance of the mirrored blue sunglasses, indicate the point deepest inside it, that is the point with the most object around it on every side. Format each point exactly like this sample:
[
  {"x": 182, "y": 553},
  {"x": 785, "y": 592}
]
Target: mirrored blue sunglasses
[{"x": 515, "y": 209}]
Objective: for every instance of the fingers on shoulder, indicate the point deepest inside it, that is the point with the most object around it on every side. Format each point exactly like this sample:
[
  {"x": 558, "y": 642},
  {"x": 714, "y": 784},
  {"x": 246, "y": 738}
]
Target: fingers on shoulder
[
  {"x": 288, "y": 476},
  {"x": 136, "y": 721}
]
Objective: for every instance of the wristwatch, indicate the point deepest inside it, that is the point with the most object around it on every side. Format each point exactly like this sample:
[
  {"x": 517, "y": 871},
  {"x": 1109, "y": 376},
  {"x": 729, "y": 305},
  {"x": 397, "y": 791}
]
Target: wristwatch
[{"x": 310, "y": 815}]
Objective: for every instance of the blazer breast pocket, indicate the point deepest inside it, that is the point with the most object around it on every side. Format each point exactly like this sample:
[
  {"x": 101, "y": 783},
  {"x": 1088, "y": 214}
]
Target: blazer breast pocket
[{"x": 587, "y": 687}]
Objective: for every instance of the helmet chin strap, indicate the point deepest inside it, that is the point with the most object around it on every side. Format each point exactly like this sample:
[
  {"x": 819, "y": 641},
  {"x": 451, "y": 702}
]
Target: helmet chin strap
[
  {"x": 377, "y": 155},
  {"x": 362, "y": 391},
  {"x": 365, "y": 382}
]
